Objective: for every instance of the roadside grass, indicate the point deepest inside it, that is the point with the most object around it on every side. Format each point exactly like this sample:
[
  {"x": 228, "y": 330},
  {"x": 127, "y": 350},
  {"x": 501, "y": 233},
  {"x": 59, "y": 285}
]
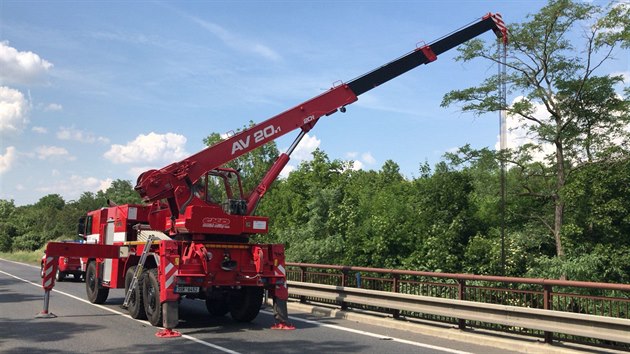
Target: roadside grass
[{"x": 30, "y": 257}]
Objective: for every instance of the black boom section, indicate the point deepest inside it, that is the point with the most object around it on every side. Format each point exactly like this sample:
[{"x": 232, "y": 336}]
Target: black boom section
[
  {"x": 464, "y": 35},
  {"x": 387, "y": 72},
  {"x": 417, "y": 57}
]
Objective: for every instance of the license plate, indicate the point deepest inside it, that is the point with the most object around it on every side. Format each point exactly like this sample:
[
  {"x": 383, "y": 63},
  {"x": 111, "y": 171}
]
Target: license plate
[{"x": 186, "y": 289}]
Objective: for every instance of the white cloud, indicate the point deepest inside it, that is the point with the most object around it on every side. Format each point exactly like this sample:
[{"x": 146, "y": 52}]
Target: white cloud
[
  {"x": 21, "y": 67},
  {"x": 72, "y": 133},
  {"x": 234, "y": 41},
  {"x": 360, "y": 161},
  {"x": 40, "y": 130},
  {"x": 14, "y": 108},
  {"x": 75, "y": 185},
  {"x": 138, "y": 170},
  {"x": 357, "y": 165},
  {"x": 368, "y": 158},
  {"x": 47, "y": 152},
  {"x": 53, "y": 107},
  {"x": 152, "y": 147},
  {"x": 8, "y": 159},
  {"x": 303, "y": 152},
  {"x": 286, "y": 171}
]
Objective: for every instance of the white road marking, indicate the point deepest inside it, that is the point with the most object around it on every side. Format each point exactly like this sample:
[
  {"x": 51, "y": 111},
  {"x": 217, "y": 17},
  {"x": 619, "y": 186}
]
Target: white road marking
[
  {"x": 296, "y": 319},
  {"x": 191, "y": 338},
  {"x": 375, "y": 335}
]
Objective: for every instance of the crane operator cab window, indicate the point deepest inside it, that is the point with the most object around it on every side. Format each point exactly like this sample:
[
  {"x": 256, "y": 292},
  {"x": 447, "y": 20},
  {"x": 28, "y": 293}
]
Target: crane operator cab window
[{"x": 223, "y": 187}]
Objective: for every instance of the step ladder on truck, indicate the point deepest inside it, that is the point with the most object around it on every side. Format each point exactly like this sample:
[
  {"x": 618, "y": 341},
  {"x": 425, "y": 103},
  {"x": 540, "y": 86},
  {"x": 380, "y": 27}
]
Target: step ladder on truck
[{"x": 199, "y": 235}]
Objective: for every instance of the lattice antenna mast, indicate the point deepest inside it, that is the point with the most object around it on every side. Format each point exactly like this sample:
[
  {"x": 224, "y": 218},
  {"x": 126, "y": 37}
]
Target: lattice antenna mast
[{"x": 502, "y": 55}]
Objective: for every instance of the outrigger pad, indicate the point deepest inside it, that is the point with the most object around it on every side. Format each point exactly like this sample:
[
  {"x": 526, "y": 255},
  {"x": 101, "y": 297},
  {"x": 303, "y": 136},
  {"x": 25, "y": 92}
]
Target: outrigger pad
[
  {"x": 283, "y": 326},
  {"x": 168, "y": 333},
  {"x": 44, "y": 314}
]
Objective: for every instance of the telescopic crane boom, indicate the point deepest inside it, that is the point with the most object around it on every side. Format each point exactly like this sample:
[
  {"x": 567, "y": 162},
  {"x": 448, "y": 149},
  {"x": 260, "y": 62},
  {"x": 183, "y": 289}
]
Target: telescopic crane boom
[{"x": 174, "y": 182}]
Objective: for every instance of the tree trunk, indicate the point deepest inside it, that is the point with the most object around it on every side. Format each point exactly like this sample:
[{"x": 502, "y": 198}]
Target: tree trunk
[
  {"x": 557, "y": 226},
  {"x": 559, "y": 202}
]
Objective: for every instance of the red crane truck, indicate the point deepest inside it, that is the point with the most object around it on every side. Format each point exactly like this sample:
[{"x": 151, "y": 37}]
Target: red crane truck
[{"x": 185, "y": 242}]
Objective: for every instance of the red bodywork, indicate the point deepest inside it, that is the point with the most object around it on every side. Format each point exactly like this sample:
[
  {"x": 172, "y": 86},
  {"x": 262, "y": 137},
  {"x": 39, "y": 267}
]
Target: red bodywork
[
  {"x": 74, "y": 266},
  {"x": 111, "y": 241}
]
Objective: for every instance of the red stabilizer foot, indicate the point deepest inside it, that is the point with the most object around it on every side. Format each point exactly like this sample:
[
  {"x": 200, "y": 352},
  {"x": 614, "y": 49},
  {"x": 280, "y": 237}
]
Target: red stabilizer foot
[
  {"x": 283, "y": 326},
  {"x": 168, "y": 333}
]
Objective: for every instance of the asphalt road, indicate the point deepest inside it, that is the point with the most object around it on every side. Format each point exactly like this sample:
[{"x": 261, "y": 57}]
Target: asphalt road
[{"x": 83, "y": 327}]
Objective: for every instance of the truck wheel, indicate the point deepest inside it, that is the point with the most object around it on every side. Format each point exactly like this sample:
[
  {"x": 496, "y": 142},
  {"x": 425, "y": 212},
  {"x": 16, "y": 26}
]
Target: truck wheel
[
  {"x": 151, "y": 297},
  {"x": 245, "y": 303},
  {"x": 135, "y": 304},
  {"x": 60, "y": 276},
  {"x": 217, "y": 305},
  {"x": 95, "y": 293}
]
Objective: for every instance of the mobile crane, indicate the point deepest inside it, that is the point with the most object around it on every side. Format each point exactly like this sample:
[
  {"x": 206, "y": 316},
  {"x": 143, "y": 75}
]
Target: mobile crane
[{"x": 185, "y": 242}]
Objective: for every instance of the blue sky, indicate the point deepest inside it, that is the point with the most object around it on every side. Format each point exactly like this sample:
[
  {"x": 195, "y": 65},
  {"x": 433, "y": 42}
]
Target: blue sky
[{"x": 93, "y": 91}]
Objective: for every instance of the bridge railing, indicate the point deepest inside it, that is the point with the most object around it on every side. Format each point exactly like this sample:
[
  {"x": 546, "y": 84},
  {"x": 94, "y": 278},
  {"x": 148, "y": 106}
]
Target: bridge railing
[{"x": 601, "y": 299}]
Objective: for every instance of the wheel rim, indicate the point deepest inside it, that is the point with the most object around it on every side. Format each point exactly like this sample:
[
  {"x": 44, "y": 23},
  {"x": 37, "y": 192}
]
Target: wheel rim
[
  {"x": 91, "y": 281},
  {"x": 151, "y": 295}
]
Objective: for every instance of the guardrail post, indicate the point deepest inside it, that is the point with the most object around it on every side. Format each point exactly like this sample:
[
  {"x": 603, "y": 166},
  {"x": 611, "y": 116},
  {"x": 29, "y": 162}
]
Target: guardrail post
[
  {"x": 396, "y": 289},
  {"x": 344, "y": 283},
  {"x": 303, "y": 280},
  {"x": 461, "y": 295},
  {"x": 547, "y": 290}
]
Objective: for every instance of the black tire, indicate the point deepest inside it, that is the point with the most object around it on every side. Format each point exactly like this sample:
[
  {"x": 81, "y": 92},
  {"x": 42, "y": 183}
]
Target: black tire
[
  {"x": 135, "y": 304},
  {"x": 245, "y": 303},
  {"x": 217, "y": 305},
  {"x": 60, "y": 276},
  {"x": 96, "y": 294},
  {"x": 41, "y": 271},
  {"x": 151, "y": 297}
]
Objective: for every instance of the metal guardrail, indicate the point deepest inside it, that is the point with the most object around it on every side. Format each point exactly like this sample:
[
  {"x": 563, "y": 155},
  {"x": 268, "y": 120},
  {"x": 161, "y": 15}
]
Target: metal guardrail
[
  {"x": 609, "y": 302},
  {"x": 607, "y": 328}
]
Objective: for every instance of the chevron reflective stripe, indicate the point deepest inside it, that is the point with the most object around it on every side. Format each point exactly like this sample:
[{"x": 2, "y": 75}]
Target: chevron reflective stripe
[
  {"x": 49, "y": 266},
  {"x": 280, "y": 271},
  {"x": 169, "y": 274},
  {"x": 48, "y": 273},
  {"x": 498, "y": 20}
]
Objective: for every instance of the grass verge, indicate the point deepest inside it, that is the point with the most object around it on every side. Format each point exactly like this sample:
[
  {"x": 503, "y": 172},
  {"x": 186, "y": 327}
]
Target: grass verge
[{"x": 30, "y": 257}]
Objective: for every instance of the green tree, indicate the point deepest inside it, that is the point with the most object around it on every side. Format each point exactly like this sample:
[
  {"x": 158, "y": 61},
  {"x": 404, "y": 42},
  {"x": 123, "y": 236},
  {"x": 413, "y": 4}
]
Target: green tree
[
  {"x": 376, "y": 217},
  {"x": 554, "y": 58},
  {"x": 445, "y": 219},
  {"x": 51, "y": 201},
  {"x": 38, "y": 223},
  {"x": 7, "y": 229},
  {"x": 304, "y": 220},
  {"x": 119, "y": 192}
]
